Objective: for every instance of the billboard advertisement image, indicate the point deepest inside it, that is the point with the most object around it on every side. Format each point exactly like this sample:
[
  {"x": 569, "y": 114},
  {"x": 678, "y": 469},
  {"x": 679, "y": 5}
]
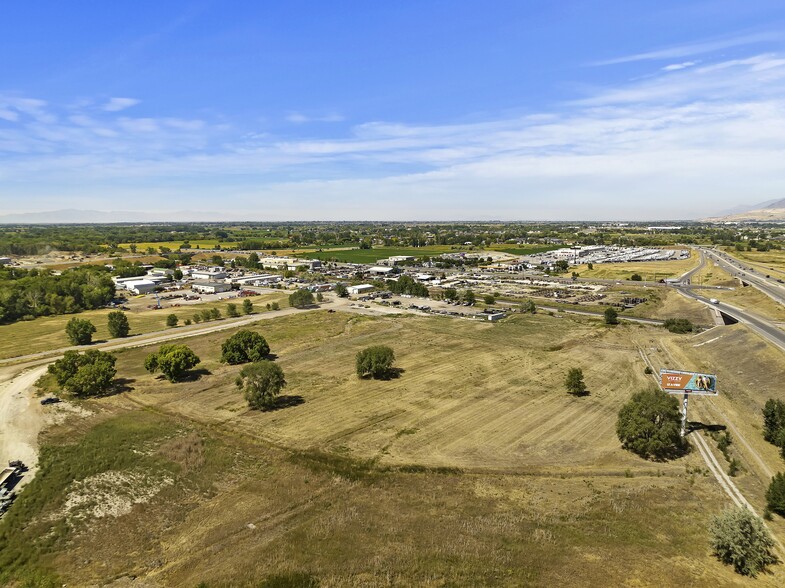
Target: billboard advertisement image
[{"x": 677, "y": 382}]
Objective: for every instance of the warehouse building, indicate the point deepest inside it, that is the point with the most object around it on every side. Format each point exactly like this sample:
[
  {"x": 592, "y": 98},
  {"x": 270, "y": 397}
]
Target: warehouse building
[{"x": 207, "y": 287}]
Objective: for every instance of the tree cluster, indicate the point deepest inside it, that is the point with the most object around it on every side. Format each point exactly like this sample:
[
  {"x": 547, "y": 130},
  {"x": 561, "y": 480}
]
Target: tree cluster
[
  {"x": 375, "y": 362},
  {"x": 244, "y": 346},
  {"x": 649, "y": 425},
  {"x": 774, "y": 423},
  {"x": 85, "y": 374},
  {"x": 172, "y": 360},
  {"x": 680, "y": 325},
  {"x": 301, "y": 298},
  {"x": 40, "y": 293}
]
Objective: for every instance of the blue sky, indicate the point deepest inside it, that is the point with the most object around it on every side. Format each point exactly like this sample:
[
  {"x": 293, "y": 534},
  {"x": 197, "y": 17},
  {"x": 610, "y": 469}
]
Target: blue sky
[{"x": 521, "y": 110}]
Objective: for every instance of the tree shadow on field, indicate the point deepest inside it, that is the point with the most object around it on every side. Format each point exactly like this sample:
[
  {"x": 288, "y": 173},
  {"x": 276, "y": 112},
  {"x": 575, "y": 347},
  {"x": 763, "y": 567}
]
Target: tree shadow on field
[
  {"x": 119, "y": 386},
  {"x": 390, "y": 374},
  {"x": 285, "y": 401},
  {"x": 271, "y": 356},
  {"x": 194, "y": 375},
  {"x": 581, "y": 394}
]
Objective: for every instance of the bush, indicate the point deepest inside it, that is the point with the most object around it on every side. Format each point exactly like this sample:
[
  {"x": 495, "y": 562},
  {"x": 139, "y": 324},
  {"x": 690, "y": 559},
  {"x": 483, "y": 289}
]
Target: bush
[
  {"x": 488, "y": 299},
  {"x": 117, "y": 322},
  {"x": 611, "y": 316},
  {"x": 231, "y": 310},
  {"x": 261, "y": 382},
  {"x": 741, "y": 539},
  {"x": 87, "y": 374},
  {"x": 244, "y": 346},
  {"x": 649, "y": 425},
  {"x": 80, "y": 331},
  {"x": 528, "y": 306},
  {"x": 775, "y": 495},
  {"x": 678, "y": 325},
  {"x": 341, "y": 291},
  {"x": 636, "y": 277},
  {"x": 172, "y": 360},
  {"x": 275, "y": 306},
  {"x": 172, "y": 320},
  {"x": 375, "y": 361},
  {"x": 648, "y": 371},
  {"x": 197, "y": 318},
  {"x": 301, "y": 298},
  {"x": 187, "y": 322}
]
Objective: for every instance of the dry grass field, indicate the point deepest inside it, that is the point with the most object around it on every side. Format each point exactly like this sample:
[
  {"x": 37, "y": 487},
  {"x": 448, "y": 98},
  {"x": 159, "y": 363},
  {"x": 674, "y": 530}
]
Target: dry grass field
[
  {"x": 650, "y": 271},
  {"x": 46, "y": 333},
  {"x": 770, "y": 261},
  {"x": 664, "y": 303},
  {"x": 473, "y": 468}
]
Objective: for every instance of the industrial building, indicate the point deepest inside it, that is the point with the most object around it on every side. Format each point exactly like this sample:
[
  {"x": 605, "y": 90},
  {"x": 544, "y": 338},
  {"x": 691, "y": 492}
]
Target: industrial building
[
  {"x": 212, "y": 273},
  {"x": 141, "y": 286},
  {"x": 207, "y": 287},
  {"x": 359, "y": 289}
]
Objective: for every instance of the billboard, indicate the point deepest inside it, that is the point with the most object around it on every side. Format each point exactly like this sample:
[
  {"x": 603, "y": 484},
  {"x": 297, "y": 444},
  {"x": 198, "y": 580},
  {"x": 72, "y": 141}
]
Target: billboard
[{"x": 677, "y": 382}]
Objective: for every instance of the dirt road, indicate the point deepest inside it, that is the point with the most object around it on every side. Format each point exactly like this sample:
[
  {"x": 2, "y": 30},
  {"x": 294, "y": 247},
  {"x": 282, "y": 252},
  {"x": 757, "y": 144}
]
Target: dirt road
[{"x": 21, "y": 419}]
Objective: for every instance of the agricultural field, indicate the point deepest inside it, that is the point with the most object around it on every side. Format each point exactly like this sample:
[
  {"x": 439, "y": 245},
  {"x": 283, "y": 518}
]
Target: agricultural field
[
  {"x": 48, "y": 332},
  {"x": 175, "y": 245},
  {"x": 473, "y": 467},
  {"x": 650, "y": 271},
  {"x": 522, "y": 250}
]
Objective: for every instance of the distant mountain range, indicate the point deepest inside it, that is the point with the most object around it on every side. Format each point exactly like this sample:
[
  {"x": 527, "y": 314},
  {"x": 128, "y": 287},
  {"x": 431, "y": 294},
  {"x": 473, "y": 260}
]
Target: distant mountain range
[
  {"x": 72, "y": 216},
  {"x": 771, "y": 210}
]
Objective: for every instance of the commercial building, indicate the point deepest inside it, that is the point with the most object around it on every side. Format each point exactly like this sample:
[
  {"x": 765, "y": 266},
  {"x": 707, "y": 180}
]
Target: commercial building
[
  {"x": 212, "y": 273},
  {"x": 207, "y": 287},
  {"x": 380, "y": 270}
]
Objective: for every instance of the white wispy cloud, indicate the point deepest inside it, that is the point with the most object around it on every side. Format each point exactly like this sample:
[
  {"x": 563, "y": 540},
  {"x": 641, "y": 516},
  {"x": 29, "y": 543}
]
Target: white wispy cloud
[
  {"x": 118, "y": 104},
  {"x": 299, "y": 118},
  {"x": 689, "y": 49},
  {"x": 682, "y": 143},
  {"x": 678, "y": 66}
]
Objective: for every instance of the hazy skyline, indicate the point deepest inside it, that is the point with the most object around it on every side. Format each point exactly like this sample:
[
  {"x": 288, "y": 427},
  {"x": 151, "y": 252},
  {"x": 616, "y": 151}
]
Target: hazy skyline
[{"x": 428, "y": 110}]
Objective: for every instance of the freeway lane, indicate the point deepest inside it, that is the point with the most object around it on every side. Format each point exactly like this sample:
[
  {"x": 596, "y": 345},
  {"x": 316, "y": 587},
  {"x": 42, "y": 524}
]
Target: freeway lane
[
  {"x": 768, "y": 286},
  {"x": 761, "y": 326}
]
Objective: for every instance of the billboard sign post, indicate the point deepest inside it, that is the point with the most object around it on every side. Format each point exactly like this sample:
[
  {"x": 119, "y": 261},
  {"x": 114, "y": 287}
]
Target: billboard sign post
[{"x": 688, "y": 384}]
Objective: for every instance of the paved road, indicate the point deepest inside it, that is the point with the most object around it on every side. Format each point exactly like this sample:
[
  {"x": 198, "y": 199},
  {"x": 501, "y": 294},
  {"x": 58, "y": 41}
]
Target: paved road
[
  {"x": 768, "y": 286},
  {"x": 760, "y": 325}
]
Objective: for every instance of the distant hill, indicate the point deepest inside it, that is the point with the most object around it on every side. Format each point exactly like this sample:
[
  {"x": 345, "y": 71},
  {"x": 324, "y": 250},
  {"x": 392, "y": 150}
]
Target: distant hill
[
  {"x": 771, "y": 210},
  {"x": 72, "y": 216}
]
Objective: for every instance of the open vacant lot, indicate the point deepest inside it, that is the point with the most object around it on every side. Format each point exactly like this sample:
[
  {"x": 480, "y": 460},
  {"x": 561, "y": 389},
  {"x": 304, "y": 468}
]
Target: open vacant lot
[
  {"x": 474, "y": 467},
  {"x": 48, "y": 332}
]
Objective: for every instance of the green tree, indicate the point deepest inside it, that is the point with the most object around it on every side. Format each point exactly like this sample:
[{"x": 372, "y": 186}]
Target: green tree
[
  {"x": 468, "y": 296},
  {"x": 172, "y": 320},
  {"x": 562, "y": 265},
  {"x": 636, "y": 277},
  {"x": 261, "y": 382},
  {"x": 275, "y": 306},
  {"x": 173, "y": 361},
  {"x": 177, "y": 274},
  {"x": 375, "y": 361},
  {"x": 611, "y": 316},
  {"x": 450, "y": 294},
  {"x": 488, "y": 299},
  {"x": 341, "y": 290},
  {"x": 80, "y": 331},
  {"x": 574, "y": 382},
  {"x": 741, "y": 539},
  {"x": 775, "y": 495},
  {"x": 207, "y": 315},
  {"x": 590, "y": 266},
  {"x": 247, "y": 306},
  {"x": 774, "y": 421},
  {"x": 244, "y": 346},
  {"x": 88, "y": 374},
  {"x": 528, "y": 306},
  {"x": 215, "y": 313},
  {"x": 650, "y": 424},
  {"x": 117, "y": 322},
  {"x": 319, "y": 297},
  {"x": 231, "y": 310},
  {"x": 301, "y": 298},
  {"x": 197, "y": 317}
]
